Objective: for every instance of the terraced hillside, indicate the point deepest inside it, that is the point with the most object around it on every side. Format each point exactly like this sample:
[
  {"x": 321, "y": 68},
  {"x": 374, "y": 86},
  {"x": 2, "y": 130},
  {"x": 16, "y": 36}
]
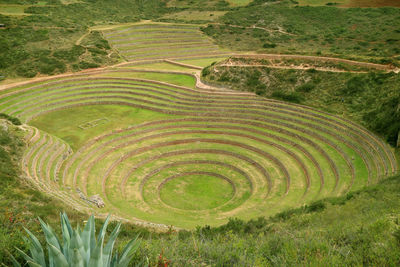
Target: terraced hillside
[
  {"x": 185, "y": 155},
  {"x": 161, "y": 41}
]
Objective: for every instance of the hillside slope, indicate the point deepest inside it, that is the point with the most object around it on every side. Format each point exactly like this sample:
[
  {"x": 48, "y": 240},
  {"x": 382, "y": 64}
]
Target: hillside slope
[{"x": 368, "y": 96}]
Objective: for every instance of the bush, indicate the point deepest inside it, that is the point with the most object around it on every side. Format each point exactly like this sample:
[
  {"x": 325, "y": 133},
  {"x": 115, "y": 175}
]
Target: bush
[
  {"x": 87, "y": 65},
  {"x": 307, "y": 87},
  {"x": 70, "y": 55},
  {"x": 353, "y": 86},
  {"x": 290, "y": 97},
  {"x": 13, "y": 120},
  {"x": 26, "y": 70},
  {"x": 205, "y": 71},
  {"x": 269, "y": 45}
]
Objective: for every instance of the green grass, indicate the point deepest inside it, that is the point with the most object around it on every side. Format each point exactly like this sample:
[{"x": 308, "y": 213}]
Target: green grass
[
  {"x": 196, "y": 192},
  {"x": 160, "y": 66},
  {"x": 176, "y": 79},
  {"x": 12, "y": 10},
  {"x": 64, "y": 123},
  {"x": 239, "y": 2},
  {"x": 202, "y": 62}
]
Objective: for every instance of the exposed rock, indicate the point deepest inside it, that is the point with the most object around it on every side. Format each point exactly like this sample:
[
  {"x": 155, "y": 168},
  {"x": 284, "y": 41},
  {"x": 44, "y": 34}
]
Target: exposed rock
[{"x": 97, "y": 200}]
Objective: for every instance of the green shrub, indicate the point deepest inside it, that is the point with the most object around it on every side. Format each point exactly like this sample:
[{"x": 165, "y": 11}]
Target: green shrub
[
  {"x": 269, "y": 45},
  {"x": 290, "y": 97},
  {"x": 307, "y": 87},
  {"x": 87, "y": 65},
  {"x": 26, "y": 70},
  {"x": 14, "y": 120}
]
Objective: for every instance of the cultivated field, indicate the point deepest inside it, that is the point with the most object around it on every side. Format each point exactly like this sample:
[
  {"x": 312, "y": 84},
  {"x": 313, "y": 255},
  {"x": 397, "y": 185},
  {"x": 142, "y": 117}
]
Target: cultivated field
[
  {"x": 158, "y": 148},
  {"x": 161, "y": 41}
]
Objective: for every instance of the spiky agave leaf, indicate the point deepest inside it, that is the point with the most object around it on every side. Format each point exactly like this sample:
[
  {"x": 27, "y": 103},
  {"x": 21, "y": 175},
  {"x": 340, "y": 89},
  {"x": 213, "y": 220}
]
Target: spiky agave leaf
[
  {"x": 57, "y": 256},
  {"x": 66, "y": 234},
  {"x": 36, "y": 249},
  {"x": 76, "y": 259},
  {"x": 77, "y": 244},
  {"x": 50, "y": 235},
  {"x": 79, "y": 248},
  {"x": 26, "y": 257},
  {"x": 96, "y": 258},
  {"x": 103, "y": 229},
  {"x": 34, "y": 264},
  {"x": 128, "y": 252},
  {"x": 107, "y": 253},
  {"x": 88, "y": 238}
]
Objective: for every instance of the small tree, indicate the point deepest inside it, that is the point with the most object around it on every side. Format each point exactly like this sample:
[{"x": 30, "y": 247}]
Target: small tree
[{"x": 79, "y": 248}]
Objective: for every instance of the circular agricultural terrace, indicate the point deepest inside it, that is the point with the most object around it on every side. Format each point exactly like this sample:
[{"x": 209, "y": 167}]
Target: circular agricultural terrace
[{"x": 210, "y": 155}]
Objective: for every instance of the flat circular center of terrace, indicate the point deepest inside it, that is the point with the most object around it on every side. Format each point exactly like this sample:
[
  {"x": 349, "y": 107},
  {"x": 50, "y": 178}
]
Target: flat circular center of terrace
[{"x": 196, "y": 191}]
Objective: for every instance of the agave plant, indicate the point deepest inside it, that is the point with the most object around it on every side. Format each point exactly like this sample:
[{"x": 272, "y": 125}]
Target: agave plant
[{"x": 79, "y": 248}]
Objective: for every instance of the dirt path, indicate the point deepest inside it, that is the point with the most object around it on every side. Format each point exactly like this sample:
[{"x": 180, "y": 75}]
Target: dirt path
[
  {"x": 288, "y": 67},
  {"x": 78, "y": 42},
  {"x": 319, "y": 58},
  {"x": 279, "y": 30}
]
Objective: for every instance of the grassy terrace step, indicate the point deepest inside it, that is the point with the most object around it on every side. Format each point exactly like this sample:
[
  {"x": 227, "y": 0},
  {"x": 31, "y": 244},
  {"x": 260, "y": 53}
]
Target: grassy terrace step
[
  {"x": 27, "y": 110},
  {"x": 267, "y": 155},
  {"x": 180, "y": 47},
  {"x": 167, "y": 40},
  {"x": 38, "y": 161},
  {"x": 150, "y": 43}
]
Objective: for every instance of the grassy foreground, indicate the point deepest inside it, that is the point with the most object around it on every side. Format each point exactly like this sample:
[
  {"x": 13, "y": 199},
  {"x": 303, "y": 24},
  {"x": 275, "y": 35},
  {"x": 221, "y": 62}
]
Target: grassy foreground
[{"x": 360, "y": 228}]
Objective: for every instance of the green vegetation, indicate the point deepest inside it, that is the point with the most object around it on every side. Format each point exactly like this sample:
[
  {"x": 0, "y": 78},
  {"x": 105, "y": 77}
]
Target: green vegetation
[
  {"x": 370, "y": 98},
  {"x": 239, "y": 2},
  {"x": 13, "y": 120},
  {"x": 271, "y": 27},
  {"x": 193, "y": 16},
  {"x": 198, "y": 4},
  {"x": 203, "y": 62},
  {"x": 20, "y": 204},
  {"x": 45, "y": 41},
  {"x": 12, "y": 10},
  {"x": 69, "y": 131},
  {"x": 171, "y": 77},
  {"x": 79, "y": 248}
]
